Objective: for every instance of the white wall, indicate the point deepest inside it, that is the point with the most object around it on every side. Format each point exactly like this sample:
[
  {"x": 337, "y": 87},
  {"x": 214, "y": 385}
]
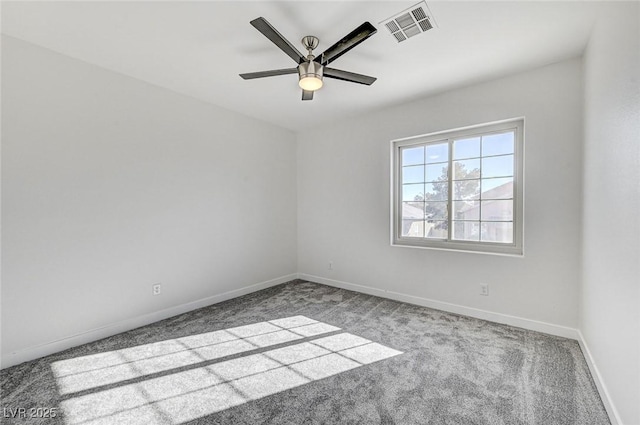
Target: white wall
[
  {"x": 343, "y": 200},
  {"x": 610, "y": 301},
  {"x": 110, "y": 185}
]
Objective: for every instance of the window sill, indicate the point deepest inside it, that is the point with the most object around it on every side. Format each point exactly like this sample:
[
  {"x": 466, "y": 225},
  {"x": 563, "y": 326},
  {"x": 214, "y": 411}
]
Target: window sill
[{"x": 505, "y": 251}]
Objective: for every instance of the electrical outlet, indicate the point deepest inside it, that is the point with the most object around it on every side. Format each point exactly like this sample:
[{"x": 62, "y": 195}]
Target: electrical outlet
[
  {"x": 330, "y": 265},
  {"x": 156, "y": 289},
  {"x": 484, "y": 289}
]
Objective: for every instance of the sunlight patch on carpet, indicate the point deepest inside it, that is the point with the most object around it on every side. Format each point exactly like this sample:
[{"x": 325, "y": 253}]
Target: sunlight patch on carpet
[
  {"x": 96, "y": 370},
  {"x": 97, "y": 394}
]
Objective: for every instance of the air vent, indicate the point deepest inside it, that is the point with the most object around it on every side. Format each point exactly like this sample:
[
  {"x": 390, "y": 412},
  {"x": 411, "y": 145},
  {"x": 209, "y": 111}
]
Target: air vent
[
  {"x": 418, "y": 14},
  {"x": 412, "y": 30},
  {"x": 425, "y": 25},
  {"x": 392, "y": 26},
  {"x": 399, "y": 36},
  {"x": 410, "y": 22}
]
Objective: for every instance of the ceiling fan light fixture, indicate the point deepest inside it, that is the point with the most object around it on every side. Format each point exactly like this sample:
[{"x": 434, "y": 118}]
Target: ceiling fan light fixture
[
  {"x": 310, "y": 74},
  {"x": 312, "y": 83}
]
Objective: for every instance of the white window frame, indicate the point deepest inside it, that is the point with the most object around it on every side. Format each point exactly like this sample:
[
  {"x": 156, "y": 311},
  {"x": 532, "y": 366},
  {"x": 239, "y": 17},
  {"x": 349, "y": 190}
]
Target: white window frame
[{"x": 517, "y": 247}]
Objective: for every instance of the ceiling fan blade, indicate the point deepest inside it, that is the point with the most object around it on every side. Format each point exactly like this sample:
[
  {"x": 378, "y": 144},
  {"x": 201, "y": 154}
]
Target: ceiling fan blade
[
  {"x": 352, "y": 77},
  {"x": 272, "y": 73},
  {"x": 272, "y": 34},
  {"x": 347, "y": 43},
  {"x": 307, "y": 95}
]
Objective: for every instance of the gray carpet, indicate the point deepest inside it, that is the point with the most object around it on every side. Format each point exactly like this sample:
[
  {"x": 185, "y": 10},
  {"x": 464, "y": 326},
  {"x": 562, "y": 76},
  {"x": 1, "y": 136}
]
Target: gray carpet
[{"x": 304, "y": 353}]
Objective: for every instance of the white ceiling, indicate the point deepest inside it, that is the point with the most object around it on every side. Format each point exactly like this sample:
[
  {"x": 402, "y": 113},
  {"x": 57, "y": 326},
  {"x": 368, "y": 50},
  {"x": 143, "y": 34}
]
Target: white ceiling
[{"x": 199, "y": 48}]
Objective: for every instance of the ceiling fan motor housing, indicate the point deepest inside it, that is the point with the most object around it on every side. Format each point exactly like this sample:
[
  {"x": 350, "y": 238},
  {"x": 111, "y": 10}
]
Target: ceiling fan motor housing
[
  {"x": 310, "y": 73},
  {"x": 310, "y": 69}
]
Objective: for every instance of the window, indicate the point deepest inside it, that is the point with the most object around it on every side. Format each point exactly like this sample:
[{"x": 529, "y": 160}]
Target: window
[{"x": 460, "y": 189}]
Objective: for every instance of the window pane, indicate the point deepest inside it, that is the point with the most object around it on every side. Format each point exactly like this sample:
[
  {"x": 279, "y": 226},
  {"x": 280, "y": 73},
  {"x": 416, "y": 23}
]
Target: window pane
[
  {"x": 466, "y": 189},
  {"x": 436, "y": 210},
  {"x": 497, "y": 232},
  {"x": 413, "y": 156},
  {"x": 437, "y": 191},
  {"x": 500, "y": 188},
  {"x": 497, "y": 144},
  {"x": 437, "y": 153},
  {"x": 412, "y": 192},
  {"x": 437, "y": 172},
  {"x": 413, "y": 228},
  {"x": 497, "y": 210},
  {"x": 466, "y": 148},
  {"x": 413, "y": 210},
  {"x": 466, "y": 230},
  {"x": 497, "y": 166},
  {"x": 436, "y": 229},
  {"x": 468, "y": 169},
  {"x": 466, "y": 210},
  {"x": 413, "y": 174}
]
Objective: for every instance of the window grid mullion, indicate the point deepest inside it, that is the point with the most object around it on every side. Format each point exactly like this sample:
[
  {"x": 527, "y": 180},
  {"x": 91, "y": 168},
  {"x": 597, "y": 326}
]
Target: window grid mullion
[
  {"x": 400, "y": 221},
  {"x": 424, "y": 193},
  {"x": 480, "y": 194},
  {"x": 450, "y": 191}
]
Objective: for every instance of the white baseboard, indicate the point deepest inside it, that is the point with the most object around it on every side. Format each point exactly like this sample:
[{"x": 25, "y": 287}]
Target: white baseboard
[
  {"x": 506, "y": 319},
  {"x": 614, "y": 417},
  {"x": 51, "y": 347}
]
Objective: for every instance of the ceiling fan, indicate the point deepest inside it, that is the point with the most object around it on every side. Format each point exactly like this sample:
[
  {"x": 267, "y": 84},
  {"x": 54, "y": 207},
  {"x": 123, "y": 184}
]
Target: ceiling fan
[{"x": 312, "y": 69}]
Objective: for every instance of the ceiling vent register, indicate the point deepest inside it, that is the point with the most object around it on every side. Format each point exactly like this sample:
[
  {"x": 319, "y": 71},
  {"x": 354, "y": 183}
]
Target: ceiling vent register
[{"x": 410, "y": 22}]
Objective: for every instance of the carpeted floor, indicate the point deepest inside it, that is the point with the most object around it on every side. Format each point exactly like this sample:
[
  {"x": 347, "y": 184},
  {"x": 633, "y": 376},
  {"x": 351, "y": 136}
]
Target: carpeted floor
[{"x": 304, "y": 353}]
